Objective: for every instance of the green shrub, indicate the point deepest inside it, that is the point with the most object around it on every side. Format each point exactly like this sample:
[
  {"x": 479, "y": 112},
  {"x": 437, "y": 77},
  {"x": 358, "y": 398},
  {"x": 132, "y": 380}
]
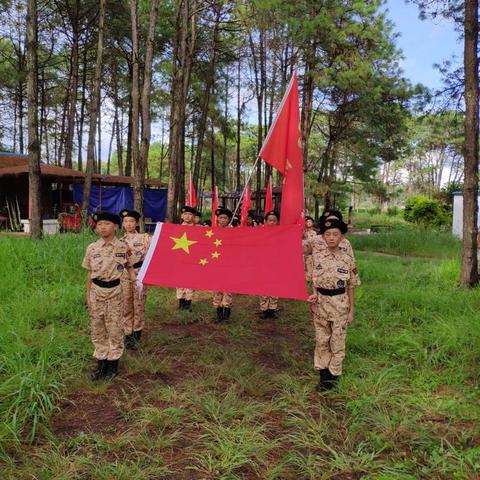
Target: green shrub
[
  {"x": 393, "y": 211},
  {"x": 424, "y": 211}
]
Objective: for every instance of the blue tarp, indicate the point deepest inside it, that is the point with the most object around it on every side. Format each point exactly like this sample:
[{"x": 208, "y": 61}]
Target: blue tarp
[{"x": 114, "y": 199}]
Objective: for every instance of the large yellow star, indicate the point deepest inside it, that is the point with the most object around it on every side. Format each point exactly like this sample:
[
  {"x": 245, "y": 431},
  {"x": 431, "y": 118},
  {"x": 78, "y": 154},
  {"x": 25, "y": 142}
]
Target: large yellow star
[
  {"x": 215, "y": 255},
  {"x": 209, "y": 233},
  {"x": 217, "y": 242},
  {"x": 182, "y": 243}
]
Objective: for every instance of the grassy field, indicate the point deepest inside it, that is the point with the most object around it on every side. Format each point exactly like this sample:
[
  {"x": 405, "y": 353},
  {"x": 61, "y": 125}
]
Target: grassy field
[{"x": 202, "y": 401}]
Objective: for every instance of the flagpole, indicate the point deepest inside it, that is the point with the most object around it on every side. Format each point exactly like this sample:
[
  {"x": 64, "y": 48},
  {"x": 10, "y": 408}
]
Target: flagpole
[
  {"x": 270, "y": 130},
  {"x": 244, "y": 188}
]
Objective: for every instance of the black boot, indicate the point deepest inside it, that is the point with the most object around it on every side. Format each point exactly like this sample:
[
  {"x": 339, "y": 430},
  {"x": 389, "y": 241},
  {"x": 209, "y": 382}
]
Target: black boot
[
  {"x": 332, "y": 381},
  {"x": 99, "y": 371},
  {"x": 264, "y": 314},
  {"x": 226, "y": 313},
  {"x": 323, "y": 382},
  {"x": 136, "y": 339},
  {"x": 188, "y": 305},
  {"x": 112, "y": 369},
  {"x": 181, "y": 303},
  {"x": 129, "y": 342},
  {"x": 219, "y": 318},
  {"x": 272, "y": 313}
]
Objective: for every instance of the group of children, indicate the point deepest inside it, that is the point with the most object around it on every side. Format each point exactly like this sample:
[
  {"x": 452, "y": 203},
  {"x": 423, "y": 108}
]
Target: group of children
[{"x": 116, "y": 303}]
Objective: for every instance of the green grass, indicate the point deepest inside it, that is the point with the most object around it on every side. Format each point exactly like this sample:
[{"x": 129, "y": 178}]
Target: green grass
[
  {"x": 234, "y": 402},
  {"x": 366, "y": 220},
  {"x": 414, "y": 242}
]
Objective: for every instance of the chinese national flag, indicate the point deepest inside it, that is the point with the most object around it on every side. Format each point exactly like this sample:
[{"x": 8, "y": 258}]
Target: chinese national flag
[
  {"x": 191, "y": 199},
  {"x": 246, "y": 204},
  {"x": 214, "y": 206},
  {"x": 254, "y": 261},
  {"x": 283, "y": 150},
  {"x": 268, "y": 196}
]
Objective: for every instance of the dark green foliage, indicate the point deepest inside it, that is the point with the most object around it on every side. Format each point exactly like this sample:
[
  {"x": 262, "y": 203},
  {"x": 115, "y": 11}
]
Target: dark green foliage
[{"x": 425, "y": 211}]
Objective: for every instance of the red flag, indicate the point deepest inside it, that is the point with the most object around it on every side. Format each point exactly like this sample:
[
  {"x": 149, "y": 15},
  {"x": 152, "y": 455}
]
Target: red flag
[
  {"x": 191, "y": 200},
  {"x": 283, "y": 150},
  {"x": 254, "y": 261},
  {"x": 246, "y": 205},
  {"x": 214, "y": 206},
  {"x": 268, "y": 196}
]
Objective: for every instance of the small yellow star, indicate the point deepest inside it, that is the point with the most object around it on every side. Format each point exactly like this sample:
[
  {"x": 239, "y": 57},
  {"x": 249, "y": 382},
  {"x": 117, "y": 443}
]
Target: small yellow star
[
  {"x": 209, "y": 233},
  {"x": 182, "y": 243},
  {"x": 203, "y": 261},
  {"x": 215, "y": 255},
  {"x": 217, "y": 242}
]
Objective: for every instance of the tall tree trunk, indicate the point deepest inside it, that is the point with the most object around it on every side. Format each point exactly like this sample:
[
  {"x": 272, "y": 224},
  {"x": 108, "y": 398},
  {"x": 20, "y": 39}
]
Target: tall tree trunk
[
  {"x": 259, "y": 93},
  {"x": 135, "y": 93},
  {"x": 307, "y": 100},
  {"x": 239, "y": 127},
  {"x": 73, "y": 84},
  {"x": 128, "y": 160},
  {"x": 225, "y": 130},
  {"x": 93, "y": 111},
  {"x": 34, "y": 174},
  {"x": 110, "y": 144},
  {"x": 182, "y": 64},
  {"x": 116, "y": 118},
  {"x": 469, "y": 275},
  {"x": 146, "y": 115},
  {"x": 82, "y": 107},
  {"x": 209, "y": 82},
  {"x": 21, "y": 142}
]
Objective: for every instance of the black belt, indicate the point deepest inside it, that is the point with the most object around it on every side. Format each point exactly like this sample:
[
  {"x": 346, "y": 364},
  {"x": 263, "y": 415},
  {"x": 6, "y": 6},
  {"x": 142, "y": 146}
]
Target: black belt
[
  {"x": 103, "y": 284},
  {"x": 138, "y": 264},
  {"x": 331, "y": 292}
]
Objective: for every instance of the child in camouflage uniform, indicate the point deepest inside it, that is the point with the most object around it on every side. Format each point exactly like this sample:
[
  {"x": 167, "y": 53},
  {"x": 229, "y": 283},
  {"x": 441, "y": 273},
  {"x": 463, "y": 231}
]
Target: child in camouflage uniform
[
  {"x": 334, "y": 279},
  {"x": 106, "y": 260}
]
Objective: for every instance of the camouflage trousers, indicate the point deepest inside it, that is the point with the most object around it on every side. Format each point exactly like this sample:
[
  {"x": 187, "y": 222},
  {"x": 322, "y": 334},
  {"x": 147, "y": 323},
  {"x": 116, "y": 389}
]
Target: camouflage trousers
[
  {"x": 184, "y": 293},
  {"x": 268, "y": 303},
  {"x": 133, "y": 306},
  {"x": 106, "y": 320},
  {"x": 222, "y": 299},
  {"x": 329, "y": 316}
]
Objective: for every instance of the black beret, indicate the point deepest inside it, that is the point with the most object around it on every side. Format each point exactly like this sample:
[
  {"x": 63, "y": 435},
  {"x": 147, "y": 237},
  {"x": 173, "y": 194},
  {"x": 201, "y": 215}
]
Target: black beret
[
  {"x": 130, "y": 213},
  {"x": 197, "y": 213},
  {"x": 188, "y": 209},
  {"x": 109, "y": 217},
  {"x": 331, "y": 213},
  {"x": 334, "y": 223},
  {"x": 251, "y": 214},
  {"x": 308, "y": 217},
  {"x": 223, "y": 211},
  {"x": 272, "y": 212}
]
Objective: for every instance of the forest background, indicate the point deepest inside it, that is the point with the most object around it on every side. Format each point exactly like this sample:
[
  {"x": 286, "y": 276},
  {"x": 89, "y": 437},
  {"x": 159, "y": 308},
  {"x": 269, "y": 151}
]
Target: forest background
[{"x": 217, "y": 72}]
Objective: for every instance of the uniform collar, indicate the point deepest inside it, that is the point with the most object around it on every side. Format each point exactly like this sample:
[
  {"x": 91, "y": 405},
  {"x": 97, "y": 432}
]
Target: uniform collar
[{"x": 104, "y": 243}]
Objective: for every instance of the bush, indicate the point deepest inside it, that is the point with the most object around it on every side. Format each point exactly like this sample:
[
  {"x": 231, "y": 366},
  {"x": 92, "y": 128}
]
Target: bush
[
  {"x": 393, "y": 211},
  {"x": 424, "y": 211}
]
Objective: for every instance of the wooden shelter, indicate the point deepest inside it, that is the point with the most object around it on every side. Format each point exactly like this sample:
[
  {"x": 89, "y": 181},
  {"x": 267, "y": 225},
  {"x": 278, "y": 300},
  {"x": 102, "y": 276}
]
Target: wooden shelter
[{"x": 56, "y": 189}]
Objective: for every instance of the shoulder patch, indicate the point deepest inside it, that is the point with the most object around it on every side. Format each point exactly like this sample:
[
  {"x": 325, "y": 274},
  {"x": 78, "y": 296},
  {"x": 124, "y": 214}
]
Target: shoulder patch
[{"x": 342, "y": 270}]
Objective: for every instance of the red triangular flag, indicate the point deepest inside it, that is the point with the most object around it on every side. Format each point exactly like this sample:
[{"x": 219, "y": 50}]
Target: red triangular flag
[
  {"x": 268, "y": 196},
  {"x": 214, "y": 206},
  {"x": 191, "y": 197},
  {"x": 254, "y": 261},
  {"x": 246, "y": 205},
  {"x": 283, "y": 150}
]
